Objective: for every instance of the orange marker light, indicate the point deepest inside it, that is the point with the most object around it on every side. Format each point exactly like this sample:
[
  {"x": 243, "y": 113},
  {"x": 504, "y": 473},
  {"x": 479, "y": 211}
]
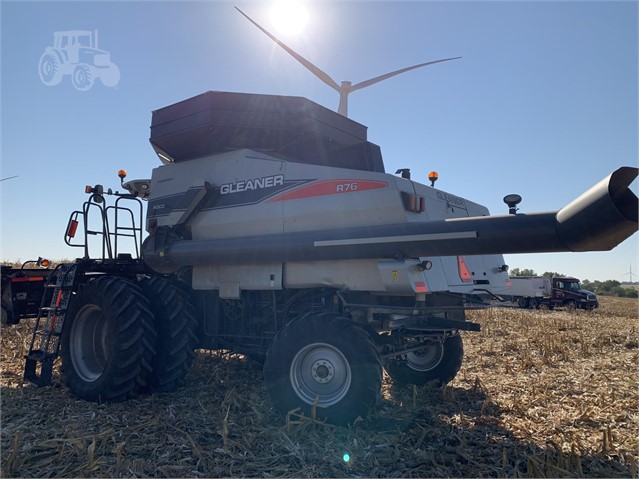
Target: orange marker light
[
  {"x": 44, "y": 263},
  {"x": 122, "y": 174},
  {"x": 433, "y": 177},
  {"x": 72, "y": 229},
  {"x": 88, "y": 189}
]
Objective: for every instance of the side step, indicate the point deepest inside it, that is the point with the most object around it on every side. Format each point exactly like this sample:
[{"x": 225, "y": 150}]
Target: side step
[{"x": 45, "y": 342}]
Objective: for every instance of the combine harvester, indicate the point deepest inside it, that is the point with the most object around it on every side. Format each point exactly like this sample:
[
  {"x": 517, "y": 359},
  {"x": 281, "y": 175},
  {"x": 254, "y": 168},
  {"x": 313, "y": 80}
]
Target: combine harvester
[{"x": 274, "y": 231}]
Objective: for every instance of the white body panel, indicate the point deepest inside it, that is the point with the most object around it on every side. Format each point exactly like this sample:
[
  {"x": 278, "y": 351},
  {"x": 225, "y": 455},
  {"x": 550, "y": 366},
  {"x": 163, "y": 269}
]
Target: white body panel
[
  {"x": 256, "y": 194},
  {"x": 529, "y": 287}
]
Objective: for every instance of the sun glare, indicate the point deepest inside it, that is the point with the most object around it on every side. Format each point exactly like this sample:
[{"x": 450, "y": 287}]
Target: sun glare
[{"x": 289, "y": 17}]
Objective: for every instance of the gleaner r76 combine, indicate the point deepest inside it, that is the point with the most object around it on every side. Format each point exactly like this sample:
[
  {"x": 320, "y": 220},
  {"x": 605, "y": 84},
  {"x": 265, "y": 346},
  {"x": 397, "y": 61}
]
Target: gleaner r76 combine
[{"x": 274, "y": 231}]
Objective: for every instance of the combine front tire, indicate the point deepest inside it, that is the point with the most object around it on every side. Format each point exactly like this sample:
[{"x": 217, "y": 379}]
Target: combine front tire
[
  {"x": 326, "y": 363},
  {"x": 439, "y": 362},
  {"x": 175, "y": 324},
  {"x": 107, "y": 340}
]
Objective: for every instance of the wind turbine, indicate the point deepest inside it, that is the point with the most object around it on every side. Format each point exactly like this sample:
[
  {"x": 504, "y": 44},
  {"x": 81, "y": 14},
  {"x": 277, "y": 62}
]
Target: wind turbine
[
  {"x": 630, "y": 273},
  {"x": 346, "y": 87}
]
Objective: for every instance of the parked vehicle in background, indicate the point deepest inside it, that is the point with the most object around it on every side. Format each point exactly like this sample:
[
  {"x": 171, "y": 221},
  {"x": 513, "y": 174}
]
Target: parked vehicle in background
[
  {"x": 536, "y": 291},
  {"x": 22, "y": 290}
]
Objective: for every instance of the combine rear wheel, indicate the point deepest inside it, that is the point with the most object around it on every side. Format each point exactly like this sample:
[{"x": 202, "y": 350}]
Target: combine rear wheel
[
  {"x": 440, "y": 362},
  {"x": 326, "y": 361},
  {"x": 175, "y": 324},
  {"x": 107, "y": 341}
]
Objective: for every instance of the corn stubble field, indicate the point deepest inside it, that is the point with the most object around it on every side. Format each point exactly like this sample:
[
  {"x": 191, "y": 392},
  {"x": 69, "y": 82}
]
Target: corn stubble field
[{"x": 540, "y": 394}]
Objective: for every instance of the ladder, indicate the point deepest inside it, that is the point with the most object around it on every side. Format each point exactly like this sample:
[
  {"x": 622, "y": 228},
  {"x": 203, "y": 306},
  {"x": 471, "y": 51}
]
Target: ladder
[{"x": 45, "y": 342}]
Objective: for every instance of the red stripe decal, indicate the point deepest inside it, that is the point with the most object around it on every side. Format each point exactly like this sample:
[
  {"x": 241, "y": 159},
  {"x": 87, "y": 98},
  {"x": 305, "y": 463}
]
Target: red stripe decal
[
  {"x": 24, "y": 280},
  {"x": 331, "y": 187}
]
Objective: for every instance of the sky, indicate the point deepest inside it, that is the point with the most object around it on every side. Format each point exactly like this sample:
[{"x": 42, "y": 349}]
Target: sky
[{"x": 543, "y": 102}]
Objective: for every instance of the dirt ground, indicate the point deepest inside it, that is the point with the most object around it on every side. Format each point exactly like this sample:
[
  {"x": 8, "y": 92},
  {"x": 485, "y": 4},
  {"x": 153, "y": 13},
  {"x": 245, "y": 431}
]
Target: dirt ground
[{"x": 540, "y": 394}]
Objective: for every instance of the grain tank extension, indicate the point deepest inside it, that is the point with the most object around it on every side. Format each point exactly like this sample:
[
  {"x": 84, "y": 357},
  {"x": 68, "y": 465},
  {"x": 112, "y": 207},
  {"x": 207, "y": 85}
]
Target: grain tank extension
[{"x": 274, "y": 231}]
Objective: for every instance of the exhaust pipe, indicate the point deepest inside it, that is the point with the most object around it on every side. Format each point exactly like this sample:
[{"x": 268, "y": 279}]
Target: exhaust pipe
[{"x": 598, "y": 220}]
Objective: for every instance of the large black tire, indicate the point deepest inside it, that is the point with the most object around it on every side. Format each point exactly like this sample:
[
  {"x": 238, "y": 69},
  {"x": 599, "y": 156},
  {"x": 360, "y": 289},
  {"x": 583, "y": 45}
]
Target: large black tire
[
  {"x": 108, "y": 341},
  {"x": 176, "y": 327},
  {"x": 327, "y": 360},
  {"x": 439, "y": 363}
]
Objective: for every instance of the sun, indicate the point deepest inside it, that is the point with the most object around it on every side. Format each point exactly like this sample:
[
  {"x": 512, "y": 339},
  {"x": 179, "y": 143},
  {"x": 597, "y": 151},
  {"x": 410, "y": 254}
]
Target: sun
[{"x": 289, "y": 16}]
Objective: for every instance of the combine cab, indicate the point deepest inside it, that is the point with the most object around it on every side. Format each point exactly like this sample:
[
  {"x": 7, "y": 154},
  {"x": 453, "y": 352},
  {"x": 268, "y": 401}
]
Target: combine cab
[{"x": 274, "y": 231}]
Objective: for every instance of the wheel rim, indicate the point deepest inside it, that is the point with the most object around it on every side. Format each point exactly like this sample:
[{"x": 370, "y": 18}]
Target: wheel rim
[
  {"x": 426, "y": 359},
  {"x": 89, "y": 348},
  {"x": 320, "y": 374}
]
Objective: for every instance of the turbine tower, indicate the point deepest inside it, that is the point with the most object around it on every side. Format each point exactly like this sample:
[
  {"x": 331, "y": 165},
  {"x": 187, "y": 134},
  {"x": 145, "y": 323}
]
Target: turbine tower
[
  {"x": 346, "y": 87},
  {"x": 631, "y": 274}
]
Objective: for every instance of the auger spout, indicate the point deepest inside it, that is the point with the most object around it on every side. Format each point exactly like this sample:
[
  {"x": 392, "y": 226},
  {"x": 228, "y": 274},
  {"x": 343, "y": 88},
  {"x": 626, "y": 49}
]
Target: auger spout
[{"x": 603, "y": 216}]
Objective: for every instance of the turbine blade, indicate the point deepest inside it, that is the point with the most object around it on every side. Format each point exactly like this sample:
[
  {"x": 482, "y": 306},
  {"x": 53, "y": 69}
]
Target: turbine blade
[
  {"x": 380, "y": 78},
  {"x": 315, "y": 70}
]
